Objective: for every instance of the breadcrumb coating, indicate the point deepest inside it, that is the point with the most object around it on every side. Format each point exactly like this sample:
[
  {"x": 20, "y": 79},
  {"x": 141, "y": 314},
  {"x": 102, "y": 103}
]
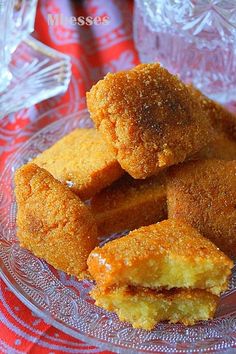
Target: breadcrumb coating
[
  {"x": 81, "y": 160},
  {"x": 144, "y": 308},
  {"x": 203, "y": 194},
  {"x": 222, "y": 119},
  {"x": 150, "y": 119},
  {"x": 222, "y": 147},
  {"x": 52, "y": 222},
  {"x": 129, "y": 203},
  {"x": 168, "y": 254}
]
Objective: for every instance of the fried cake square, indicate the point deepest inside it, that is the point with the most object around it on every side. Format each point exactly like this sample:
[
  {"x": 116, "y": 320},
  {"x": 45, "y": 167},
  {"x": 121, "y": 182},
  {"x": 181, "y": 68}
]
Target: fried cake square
[
  {"x": 222, "y": 147},
  {"x": 169, "y": 254},
  {"x": 81, "y": 160},
  {"x": 150, "y": 119},
  {"x": 203, "y": 194},
  {"x": 128, "y": 204},
  {"x": 52, "y": 222}
]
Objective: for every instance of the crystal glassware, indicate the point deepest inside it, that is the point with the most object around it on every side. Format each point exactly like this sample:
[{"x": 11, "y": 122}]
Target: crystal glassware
[
  {"x": 23, "y": 19},
  {"x": 16, "y": 22},
  {"x": 29, "y": 70},
  {"x": 193, "y": 38},
  {"x": 6, "y": 10},
  {"x": 38, "y": 72}
]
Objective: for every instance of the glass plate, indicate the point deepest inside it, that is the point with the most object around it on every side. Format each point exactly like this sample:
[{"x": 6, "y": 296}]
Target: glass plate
[{"x": 65, "y": 302}]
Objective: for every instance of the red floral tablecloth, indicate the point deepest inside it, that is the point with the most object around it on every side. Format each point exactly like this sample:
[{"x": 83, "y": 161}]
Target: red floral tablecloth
[{"x": 94, "y": 51}]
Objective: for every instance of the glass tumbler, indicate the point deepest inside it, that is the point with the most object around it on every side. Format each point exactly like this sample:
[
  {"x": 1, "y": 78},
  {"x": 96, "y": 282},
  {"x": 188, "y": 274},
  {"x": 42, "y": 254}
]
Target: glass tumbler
[
  {"x": 16, "y": 22},
  {"x": 6, "y": 10},
  {"x": 193, "y": 38},
  {"x": 30, "y": 71}
]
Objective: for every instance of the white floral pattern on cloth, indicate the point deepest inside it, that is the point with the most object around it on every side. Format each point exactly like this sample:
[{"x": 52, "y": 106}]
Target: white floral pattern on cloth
[
  {"x": 33, "y": 330},
  {"x": 125, "y": 61}
]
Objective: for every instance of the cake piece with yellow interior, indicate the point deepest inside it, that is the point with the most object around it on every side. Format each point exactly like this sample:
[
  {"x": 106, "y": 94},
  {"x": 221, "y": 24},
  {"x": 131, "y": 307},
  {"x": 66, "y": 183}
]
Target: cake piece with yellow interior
[
  {"x": 169, "y": 254},
  {"x": 166, "y": 271}
]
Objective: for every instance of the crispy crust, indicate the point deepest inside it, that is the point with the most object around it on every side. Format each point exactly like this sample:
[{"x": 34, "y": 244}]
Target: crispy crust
[
  {"x": 52, "y": 222},
  {"x": 150, "y": 119},
  {"x": 203, "y": 193},
  {"x": 222, "y": 119},
  {"x": 167, "y": 254},
  {"x": 81, "y": 160},
  {"x": 222, "y": 147},
  {"x": 128, "y": 204}
]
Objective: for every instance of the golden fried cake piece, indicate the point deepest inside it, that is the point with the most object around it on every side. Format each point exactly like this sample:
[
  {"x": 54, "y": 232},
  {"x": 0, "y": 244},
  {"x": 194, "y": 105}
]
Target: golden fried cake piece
[
  {"x": 52, "y": 222},
  {"x": 151, "y": 120},
  {"x": 81, "y": 160},
  {"x": 222, "y": 119},
  {"x": 203, "y": 194},
  {"x": 223, "y": 147},
  {"x": 144, "y": 308},
  {"x": 166, "y": 255},
  {"x": 128, "y": 204}
]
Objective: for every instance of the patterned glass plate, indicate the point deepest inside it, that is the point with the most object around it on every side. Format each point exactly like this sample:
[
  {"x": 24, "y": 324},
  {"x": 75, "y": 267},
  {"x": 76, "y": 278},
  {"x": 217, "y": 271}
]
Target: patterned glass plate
[{"x": 65, "y": 302}]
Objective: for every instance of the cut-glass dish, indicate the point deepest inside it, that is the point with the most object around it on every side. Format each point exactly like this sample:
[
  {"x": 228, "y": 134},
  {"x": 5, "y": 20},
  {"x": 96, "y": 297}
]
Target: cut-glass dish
[{"x": 64, "y": 301}]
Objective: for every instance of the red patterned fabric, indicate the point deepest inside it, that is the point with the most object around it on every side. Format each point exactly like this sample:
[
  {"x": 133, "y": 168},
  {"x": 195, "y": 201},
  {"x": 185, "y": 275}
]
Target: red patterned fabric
[{"x": 94, "y": 51}]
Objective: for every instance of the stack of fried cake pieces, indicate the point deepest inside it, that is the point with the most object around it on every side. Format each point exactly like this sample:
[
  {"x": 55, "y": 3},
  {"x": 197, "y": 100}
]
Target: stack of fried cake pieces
[{"x": 160, "y": 150}]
